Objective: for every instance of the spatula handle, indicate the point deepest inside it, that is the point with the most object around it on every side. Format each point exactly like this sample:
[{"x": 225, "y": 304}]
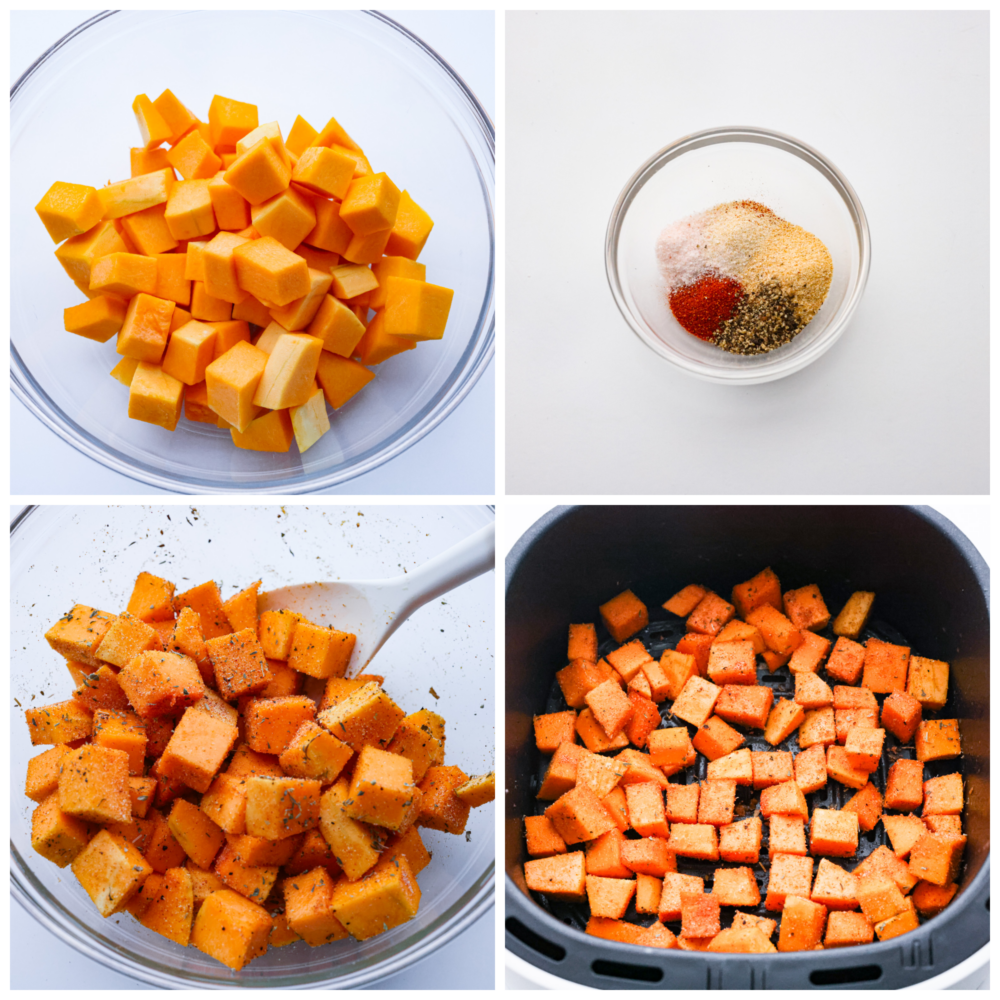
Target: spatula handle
[{"x": 462, "y": 562}]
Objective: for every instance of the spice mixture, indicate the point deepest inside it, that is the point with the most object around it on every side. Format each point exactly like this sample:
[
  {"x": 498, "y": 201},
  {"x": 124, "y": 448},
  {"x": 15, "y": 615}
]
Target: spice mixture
[{"x": 742, "y": 278}]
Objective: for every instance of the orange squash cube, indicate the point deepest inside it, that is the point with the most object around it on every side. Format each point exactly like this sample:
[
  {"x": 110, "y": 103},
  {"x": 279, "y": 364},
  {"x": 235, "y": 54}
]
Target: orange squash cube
[
  {"x": 735, "y": 887},
  {"x": 624, "y": 615},
  {"x": 711, "y": 613},
  {"x": 904, "y": 786},
  {"x": 885, "y": 666},
  {"x": 68, "y": 210},
  {"x": 110, "y": 871},
  {"x": 806, "y": 609},
  {"x": 121, "y": 730},
  {"x": 748, "y": 705},
  {"x": 287, "y": 217},
  {"x": 353, "y": 843},
  {"x": 867, "y": 803},
  {"x": 63, "y": 722},
  {"x": 696, "y": 701},
  {"x": 938, "y": 739},
  {"x": 144, "y": 332},
  {"x": 232, "y": 381},
  {"x": 834, "y": 833},
  {"x": 764, "y": 588},
  {"x": 197, "y": 749},
  {"x": 561, "y": 877},
  {"x": 780, "y": 635},
  {"x": 790, "y": 875},
  {"x": 802, "y": 923},
  {"x": 901, "y": 715},
  {"x": 784, "y": 719},
  {"x": 239, "y": 663},
  {"x": 741, "y": 841},
  {"x": 55, "y": 835},
  {"x": 231, "y": 929},
  {"x": 787, "y": 835},
  {"x": 927, "y": 682},
  {"x": 367, "y": 716},
  {"x": 98, "y": 319},
  {"x": 785, "y": 799},
  {"x": 854, "y": 614},
  {"x": 818, "y": 726},
  {"x": 542, "y": 838},
  {"x": 846, "y": 661},
  {"x": 810, "y": 654},
  {"x": 810, "y": 769},
  {"x": 410, "y": 230},
  {"x": 737, "y": 765},
  {"x": 270, "y": 272},
  {"x": 271, "y": 431}
]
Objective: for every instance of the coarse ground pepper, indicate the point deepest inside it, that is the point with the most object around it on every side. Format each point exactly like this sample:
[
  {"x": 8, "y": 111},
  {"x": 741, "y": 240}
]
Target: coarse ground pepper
[{"x": 742, "y": 278}]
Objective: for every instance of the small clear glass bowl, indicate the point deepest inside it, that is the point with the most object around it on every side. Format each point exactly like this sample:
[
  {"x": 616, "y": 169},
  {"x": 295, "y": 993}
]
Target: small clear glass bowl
[
  {"x": 71, "y": 120},
  {"x": 732, "y": 164},
  {"x": 92, "y": 555}
]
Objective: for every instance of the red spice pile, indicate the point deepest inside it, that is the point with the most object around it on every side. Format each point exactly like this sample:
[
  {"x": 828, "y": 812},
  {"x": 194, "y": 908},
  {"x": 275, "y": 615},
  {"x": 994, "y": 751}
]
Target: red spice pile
[{"x": 701, "y": 308}]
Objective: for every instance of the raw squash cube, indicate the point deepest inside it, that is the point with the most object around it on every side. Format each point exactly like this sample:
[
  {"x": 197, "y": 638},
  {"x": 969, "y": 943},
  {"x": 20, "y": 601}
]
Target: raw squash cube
[
  {"x": 685, "y": 600},
  {"x": 834, "y": 833},
  {"x": 806, "y": 659},
  {"x": 867, "y": 803},
  {"x": 195, "y": 832},
  {"x": 943, "y": 795},
  {"x": 93, "y": 785},
  {"x": 927, "y": 681},
  {"x": 780, "y": 635},
  {"x": 314, "y": 851},
  {"x": 603, "y": 853},
  {"x": 646, "y": 812},
  {"x": 845, "y": 719},
  {"x": 810, "y": 769},
  {"x": 55, "y": 835},
  {"x": 854, "y": 614},
  {"x": 354, "y": 844},
  {"x": 783, "y": 720},
  {"x": 231, "y": 929},
  {"x": 732, "y": 663},
  {"x": 736, "y": 887},
  {"x": 806, "y": 609},
  {"x": 748, "y": 705},
  {"x": 645, "y": 717},
  {"x": 152, "y": 599},
  {"x": 885, "y": 666},
  {"x": 599, "y": 774},
  {"x": 110, "y": 871},
  {"x": 899, "y": 924},
  {"x": 840, "y": 768},
  {"x": 740, "y": 841},
  {"x": 578, "y": 814},
  {"x": 196, "y": 751},
  {"x": 880, "y": 898},
  {"x": 562, "y": 877},
  {"x": 863, "y": 747},
  {"x": 818, "y": 726},
  {"x": 904, "y": 832},
  {"x": 787, "y": 835},
  {"x": 610, "y": 705},
  {"x": 853, "y": 697},
  {"x": 904, "y": 788},
  {"x": 715, "y": 738},
  {"x": 675, "y": 884},
  {"x": 802, "y": 923},
  {"x": 542, "y": 838},
  {"x": 307, "y": 907},
  {"x": 312, "y": 752},
  {"x": 609, "y": 897},
  {"x": 410, "y": 230},
  {"x": 835, "y": 888},
  {"x": 239, "y": 663},
  {"x": 383, "y": 899},
  {"x": 281, "y": 807},
  {"x": 100, "y": 318},
  {"x": 710, "y": 615},
  {"x": 694, "y": 840},
  {"x": 846, "y": 661},
  {"x": 258, "y": 852},
  {"x": 648, "y": 856},
  {"x": 63, "y": 722},
  {"x": 695, "y": 702},
  {"x": 790, "y": 875},
  {"x": 785, "y": 799},
  {"x": 101, "y": 690},
  {"x": 629, "y": 659},
  {"x": 938, "y": 739},
  {"x": 699, "y": 915},
  {"x": 901, "y": 715},
  {"x": 206, "y": 601},
  {"x": 844, "y": 928},
  {"x": 368, "y": 716},
  {"x": 169, "y": 910},
  {"x": 682, "y": 803},
  {"x": 141, "y": 793},
  {"x": 122, "y": 730},
  {"x": 382, "y": 791},
  {"x": 78, "y": 253},
  {"x": 624, "y": 615},
  {"x": 648, "y": 890},
  {"x": 737, "y": 765},
  {"x": 764, "y": 588},
  {"x": 69, "y": 209},
  {"x": 764, "y": 924},
  {"x": 771, "y": 767},
  {"x": 562, "y": 771},
  {"x": 944, "y": 824}
]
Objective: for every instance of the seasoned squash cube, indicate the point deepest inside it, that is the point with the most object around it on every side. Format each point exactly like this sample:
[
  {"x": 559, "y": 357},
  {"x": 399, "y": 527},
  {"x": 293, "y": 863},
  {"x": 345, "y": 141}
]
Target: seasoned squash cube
[
  {"x": 368, "y": 716},
  {"x": 55, "y": 835},
  {"x": 281, "y": 807},
  {"x": 624, "y": 615},
  {"x": 320, "y": 652},
  {"x": 252, "y": 881},
  {"x": 806, "y": 609},
  {"x": 239, "y": 662},
  {"x": 904, "y": 789},
  {"x": 270, "y": 723},
  {"x": 802, "y": 923},
  {"x": 441, "y": 809},
  {"x": 927, "y": 682},
  {"x": 196, "y": 751},
  {"x": 901, "y": 715},
  {"x": 200, "y": 837},
  {"x": 790, "y": 875},
  {"x": 161, "y": 683},
  {"x": 63, "y": 722},
  {"x": 307, "y": 907},
  {"x": 695, "y": 703},
  {"x": 231, "y": 929},
  {"x": 354, "y": 844},
  {"x": 110, "y": 870},
  {"x": 415, "y": 738},
  {"x": 764, "y": 588},
  {"x": 93, "y": 785},
  {"x": 938, "y": 739},
  {"x": 854, "y": 614},
  {"x": 833, "y": 832},
  {"x": 885, "y": 666},
  {"x": 381, "y": 900},
  {"x": 313, "y": 752},
  {"x": 561, "y": 877},
  {"x": 382, "y": 791},
  {"x": 170, "y": 911},
  {"x": 120, "y": 730}
]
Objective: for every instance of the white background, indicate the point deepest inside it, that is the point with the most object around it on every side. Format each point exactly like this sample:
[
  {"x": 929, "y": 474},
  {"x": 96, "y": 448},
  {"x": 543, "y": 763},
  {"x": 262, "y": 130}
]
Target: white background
[
  {"x": 457, "y": 457},
  {"x": 899, "y": 103}
]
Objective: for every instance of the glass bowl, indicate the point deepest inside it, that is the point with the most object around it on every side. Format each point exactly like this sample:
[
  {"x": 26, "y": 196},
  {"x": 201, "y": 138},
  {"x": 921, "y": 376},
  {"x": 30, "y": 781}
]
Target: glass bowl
[
  {"x": 71, "y": 120},
  {"x": 92, "y": 555},
  {"x": 731, "y": 164}
]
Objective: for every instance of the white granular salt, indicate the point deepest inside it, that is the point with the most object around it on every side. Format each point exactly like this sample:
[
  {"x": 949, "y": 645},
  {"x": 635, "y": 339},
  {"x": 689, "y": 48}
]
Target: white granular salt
[{"x": 680, "y": 251}]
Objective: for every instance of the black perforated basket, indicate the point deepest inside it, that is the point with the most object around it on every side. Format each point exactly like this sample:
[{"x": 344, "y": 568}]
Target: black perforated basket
[{"x": 932, "y": 594}]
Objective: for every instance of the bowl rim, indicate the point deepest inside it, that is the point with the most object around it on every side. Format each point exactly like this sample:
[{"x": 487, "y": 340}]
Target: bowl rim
[
  {"x": 767, "y": 137},
  {"x": 465, "y": 911},
  {"x": 468, "y": 370}
]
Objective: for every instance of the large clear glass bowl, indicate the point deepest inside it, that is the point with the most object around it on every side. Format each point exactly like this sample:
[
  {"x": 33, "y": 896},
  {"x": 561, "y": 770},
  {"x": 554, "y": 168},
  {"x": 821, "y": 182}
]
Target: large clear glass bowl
[
  {"x": 732, "y": 164},
  {"x": 92, "y": 555},
  {"x": 71, "y": 120}
]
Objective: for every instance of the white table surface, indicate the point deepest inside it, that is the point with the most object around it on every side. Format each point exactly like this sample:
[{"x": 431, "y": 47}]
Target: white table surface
[
  {"x": 899, "y": 102},
  {"x": 457, "y": 457}
]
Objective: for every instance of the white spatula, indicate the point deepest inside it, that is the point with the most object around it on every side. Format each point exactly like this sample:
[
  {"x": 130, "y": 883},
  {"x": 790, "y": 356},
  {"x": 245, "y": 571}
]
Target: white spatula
[{"x": 374, "y": 609}]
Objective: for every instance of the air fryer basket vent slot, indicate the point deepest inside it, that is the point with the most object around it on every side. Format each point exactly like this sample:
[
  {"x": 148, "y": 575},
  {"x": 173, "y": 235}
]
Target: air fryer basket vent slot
[
  {"x": 622, "y": 970},
  {"x": 535, "y": 941},
  {"x": 852, "y": 974}
]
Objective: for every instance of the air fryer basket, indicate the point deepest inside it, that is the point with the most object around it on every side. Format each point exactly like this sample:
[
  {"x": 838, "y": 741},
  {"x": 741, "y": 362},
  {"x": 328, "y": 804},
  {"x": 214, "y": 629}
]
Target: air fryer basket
[{"x": 932, "y": 593}]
